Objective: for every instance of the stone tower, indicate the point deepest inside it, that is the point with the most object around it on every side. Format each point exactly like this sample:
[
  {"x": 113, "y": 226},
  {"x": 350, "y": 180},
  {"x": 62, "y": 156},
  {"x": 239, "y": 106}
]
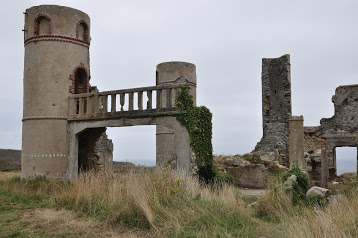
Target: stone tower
[
  {"x": 172, "y": 73},
  {"x": 276, "y": 109},
  {"x": 57, "y": 41}
]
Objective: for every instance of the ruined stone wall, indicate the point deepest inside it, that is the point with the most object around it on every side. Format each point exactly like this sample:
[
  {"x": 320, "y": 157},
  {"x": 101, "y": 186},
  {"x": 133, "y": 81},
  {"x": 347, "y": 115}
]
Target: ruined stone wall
[
  {"x": 313, "y": 144},
  {"x": 339, "y": 130},
  {"x": 103, "y": 154},
  {"x": 276, "y": 109},
  {"x": 342, "y": 128},
  {"x": 345, "y": 119}
]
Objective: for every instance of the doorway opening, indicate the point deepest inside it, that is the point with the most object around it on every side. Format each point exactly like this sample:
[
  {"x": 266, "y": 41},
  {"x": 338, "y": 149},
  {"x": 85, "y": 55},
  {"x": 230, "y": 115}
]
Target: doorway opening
[
  {"x": 133, "y": 145},
  {"x": 346, "y": 160},
  {"x": 87, "y": 154}
]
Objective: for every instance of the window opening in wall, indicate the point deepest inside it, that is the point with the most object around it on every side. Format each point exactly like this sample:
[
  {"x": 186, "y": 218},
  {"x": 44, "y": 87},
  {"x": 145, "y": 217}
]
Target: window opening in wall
[
  {"x": 80, "y": 81},
  {"x": 82, "y": 32},
  {"x": 346, "y": 160},
  {"x": 42, "y": 26},
  {"x": 136, "y": 145},
  {"x": 81, "y": 86}
]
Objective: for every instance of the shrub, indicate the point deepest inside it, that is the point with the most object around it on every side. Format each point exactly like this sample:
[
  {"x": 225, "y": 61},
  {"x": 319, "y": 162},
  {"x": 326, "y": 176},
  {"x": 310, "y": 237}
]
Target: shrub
[{"x": 300, "y": 186}]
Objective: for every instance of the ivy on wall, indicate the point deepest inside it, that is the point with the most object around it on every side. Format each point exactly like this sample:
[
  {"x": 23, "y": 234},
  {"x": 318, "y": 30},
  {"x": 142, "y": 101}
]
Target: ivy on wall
[{"x": 197, "y": 121}]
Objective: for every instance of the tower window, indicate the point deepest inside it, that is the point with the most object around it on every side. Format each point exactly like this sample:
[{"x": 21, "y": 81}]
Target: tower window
[
  {"x": 80, "y": 81},
  {"x": 82, "y": 31},
  {"x": 42, "y": 26}
]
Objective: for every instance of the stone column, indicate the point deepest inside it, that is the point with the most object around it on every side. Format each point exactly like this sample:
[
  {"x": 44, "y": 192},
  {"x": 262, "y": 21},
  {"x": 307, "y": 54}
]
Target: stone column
[
  {"x": 166, "y": 141},
  {"x": 324, "y": 167},
  {"x": 276, "y": 109},
  {"x": 296, "y": 142}
]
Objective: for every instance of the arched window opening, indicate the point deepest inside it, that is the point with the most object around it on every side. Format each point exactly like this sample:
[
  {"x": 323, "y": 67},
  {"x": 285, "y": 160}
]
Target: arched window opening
[
  {"x": 80, "y": 81},
  {"x": 82, "y": 32},
  {"x": 42, "y": 26}
]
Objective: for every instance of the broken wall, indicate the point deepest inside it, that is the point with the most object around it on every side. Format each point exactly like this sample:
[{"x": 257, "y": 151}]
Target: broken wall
[
  {"x": 339, "y": 130},
  {"x": 276, "y": 109}
]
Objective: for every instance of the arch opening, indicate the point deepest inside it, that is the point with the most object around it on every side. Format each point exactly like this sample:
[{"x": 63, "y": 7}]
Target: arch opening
[
  {"x": 42, "y": 26},
  {"x": 82, "y": 31},
  {"x": 81, "y": 82}
]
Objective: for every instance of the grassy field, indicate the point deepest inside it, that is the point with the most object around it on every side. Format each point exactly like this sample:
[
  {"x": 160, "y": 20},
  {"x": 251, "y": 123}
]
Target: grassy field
[
  {"x": 160, "y": 203},
  {"x": 10, "y": 160}
]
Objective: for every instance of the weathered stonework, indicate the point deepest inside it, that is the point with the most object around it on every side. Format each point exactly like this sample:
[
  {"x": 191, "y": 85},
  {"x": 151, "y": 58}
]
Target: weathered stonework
[
  {"x": 284, "y": 137},
  {"x": 276, "y": 109},
  {"x": 65, "y": 119},
  {"x": 52, "y": 52},
  {"x": 103, "y": 154},
  {"x": 249, "y": 176},
  {"x": 296, "y": 142}
]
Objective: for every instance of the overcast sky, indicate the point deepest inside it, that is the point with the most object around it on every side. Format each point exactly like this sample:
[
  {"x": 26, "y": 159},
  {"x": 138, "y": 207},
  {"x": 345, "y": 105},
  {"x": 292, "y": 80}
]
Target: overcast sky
[{"x": 225, "y": 39}]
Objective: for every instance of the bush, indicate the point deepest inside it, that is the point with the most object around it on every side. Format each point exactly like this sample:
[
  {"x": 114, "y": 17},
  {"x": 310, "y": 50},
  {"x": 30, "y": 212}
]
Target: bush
[{"x": 300, "y": 186}]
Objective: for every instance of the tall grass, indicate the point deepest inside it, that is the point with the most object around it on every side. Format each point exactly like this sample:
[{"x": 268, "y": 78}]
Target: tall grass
[
  {"x": 163, "y": 203},
  {"x": 172, "y": 204}
]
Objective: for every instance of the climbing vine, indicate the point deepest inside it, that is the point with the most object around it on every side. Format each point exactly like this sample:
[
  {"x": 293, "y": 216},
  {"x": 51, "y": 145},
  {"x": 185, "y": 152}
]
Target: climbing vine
[{"x": 197, "y": 120}]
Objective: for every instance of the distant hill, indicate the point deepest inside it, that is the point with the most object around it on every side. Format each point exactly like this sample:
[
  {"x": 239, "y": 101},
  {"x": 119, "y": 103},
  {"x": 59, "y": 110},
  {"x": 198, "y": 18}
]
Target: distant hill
[{"x": 10, "y": 160}]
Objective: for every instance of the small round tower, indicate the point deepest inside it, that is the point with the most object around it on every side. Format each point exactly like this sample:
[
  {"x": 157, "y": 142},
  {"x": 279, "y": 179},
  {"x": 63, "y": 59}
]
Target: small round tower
[
  {"x": 172, "y": 73},
  {"x": 57, "y": 41}
]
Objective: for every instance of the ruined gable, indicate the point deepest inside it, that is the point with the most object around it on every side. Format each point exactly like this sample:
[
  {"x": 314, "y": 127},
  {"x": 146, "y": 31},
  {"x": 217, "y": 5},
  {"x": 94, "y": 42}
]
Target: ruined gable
[{"x": 345, "y": 117}]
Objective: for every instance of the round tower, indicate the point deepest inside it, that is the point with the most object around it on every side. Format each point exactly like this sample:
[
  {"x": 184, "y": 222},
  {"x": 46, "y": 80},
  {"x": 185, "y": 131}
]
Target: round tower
[
  {"x": 57, "y": 41},
  {"x": 172, "y": 73}
]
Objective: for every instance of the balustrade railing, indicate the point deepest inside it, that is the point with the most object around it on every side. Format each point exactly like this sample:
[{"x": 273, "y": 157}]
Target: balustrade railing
[{"x": 124, "y": 101}]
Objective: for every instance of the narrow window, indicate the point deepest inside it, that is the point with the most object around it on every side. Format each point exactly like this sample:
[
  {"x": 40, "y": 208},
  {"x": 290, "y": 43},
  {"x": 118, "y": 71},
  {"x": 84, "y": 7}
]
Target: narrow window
[
  {"x": 82, "y": 32},
  {"x": 80, "y": 81},
  {"x": 42, "y": 26}
]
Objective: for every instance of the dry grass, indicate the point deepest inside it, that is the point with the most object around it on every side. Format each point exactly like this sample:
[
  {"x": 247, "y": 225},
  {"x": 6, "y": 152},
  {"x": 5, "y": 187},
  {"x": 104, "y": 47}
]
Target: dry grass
[
  {"x": 172, "y": 204},
  {"x": 162, "y": 203},
  {"x": 8, "y": 175},
  {"x": 338, "y": 219},
  {"x": 63, "y": 223}
]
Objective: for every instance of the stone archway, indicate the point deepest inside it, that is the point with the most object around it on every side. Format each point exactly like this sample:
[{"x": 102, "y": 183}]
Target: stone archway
[{"x": 179, "y": 147}]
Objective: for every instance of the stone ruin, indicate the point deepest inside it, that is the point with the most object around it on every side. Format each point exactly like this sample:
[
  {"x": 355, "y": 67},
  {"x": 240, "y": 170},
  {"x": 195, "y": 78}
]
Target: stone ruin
[
  {"x": 287, "y": 141},
  {"x": 65, "y": 118}
]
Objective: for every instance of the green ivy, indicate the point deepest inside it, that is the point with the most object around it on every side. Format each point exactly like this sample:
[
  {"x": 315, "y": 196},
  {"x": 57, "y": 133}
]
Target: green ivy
[
  {"x": 300, "y": 187},
  {"x": 197, "y": 121}
]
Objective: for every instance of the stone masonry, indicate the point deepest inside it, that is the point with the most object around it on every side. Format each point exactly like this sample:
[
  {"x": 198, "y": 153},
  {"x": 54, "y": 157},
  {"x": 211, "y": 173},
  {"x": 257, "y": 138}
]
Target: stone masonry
[
  {"x": 65, "y": 118},
  {"x": 276, "y": 109},
  {"x": 284, "y": 137}
]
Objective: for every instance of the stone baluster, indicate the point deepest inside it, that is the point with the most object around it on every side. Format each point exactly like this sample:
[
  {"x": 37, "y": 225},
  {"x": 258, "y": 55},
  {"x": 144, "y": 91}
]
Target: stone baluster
[
  {"x": 131, "y": 102},
  {"x": 174, "y": 94},
  {"x": 122, "y": 100},
  {"x": 81, "y": 106},
  {"x": 140, "y": 100},
  {"x": 88, "y": 104},
  {"x": 149, "y": 102},
  {"x": 113, "y": 103},
  {"x": 105, "y": 103},
  {"x": 169, "y": 98},
  {"x": 159, "y": 99}
]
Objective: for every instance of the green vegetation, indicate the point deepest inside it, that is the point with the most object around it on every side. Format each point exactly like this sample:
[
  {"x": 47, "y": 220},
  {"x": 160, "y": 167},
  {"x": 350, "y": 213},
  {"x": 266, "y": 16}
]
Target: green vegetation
[
  {"x": 197, "y": 121},
  {"x": 162, "y": 203},
  {"x": 300, "y": 186}
]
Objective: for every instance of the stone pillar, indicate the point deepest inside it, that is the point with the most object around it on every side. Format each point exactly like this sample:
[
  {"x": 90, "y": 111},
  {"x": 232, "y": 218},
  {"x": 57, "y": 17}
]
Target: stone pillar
[
  {"x": 296, "y": 142},
  {"x": 324, "y": 167},
  {"x": 276, "y": 109},
  {"x": 172, "y": 73}
]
